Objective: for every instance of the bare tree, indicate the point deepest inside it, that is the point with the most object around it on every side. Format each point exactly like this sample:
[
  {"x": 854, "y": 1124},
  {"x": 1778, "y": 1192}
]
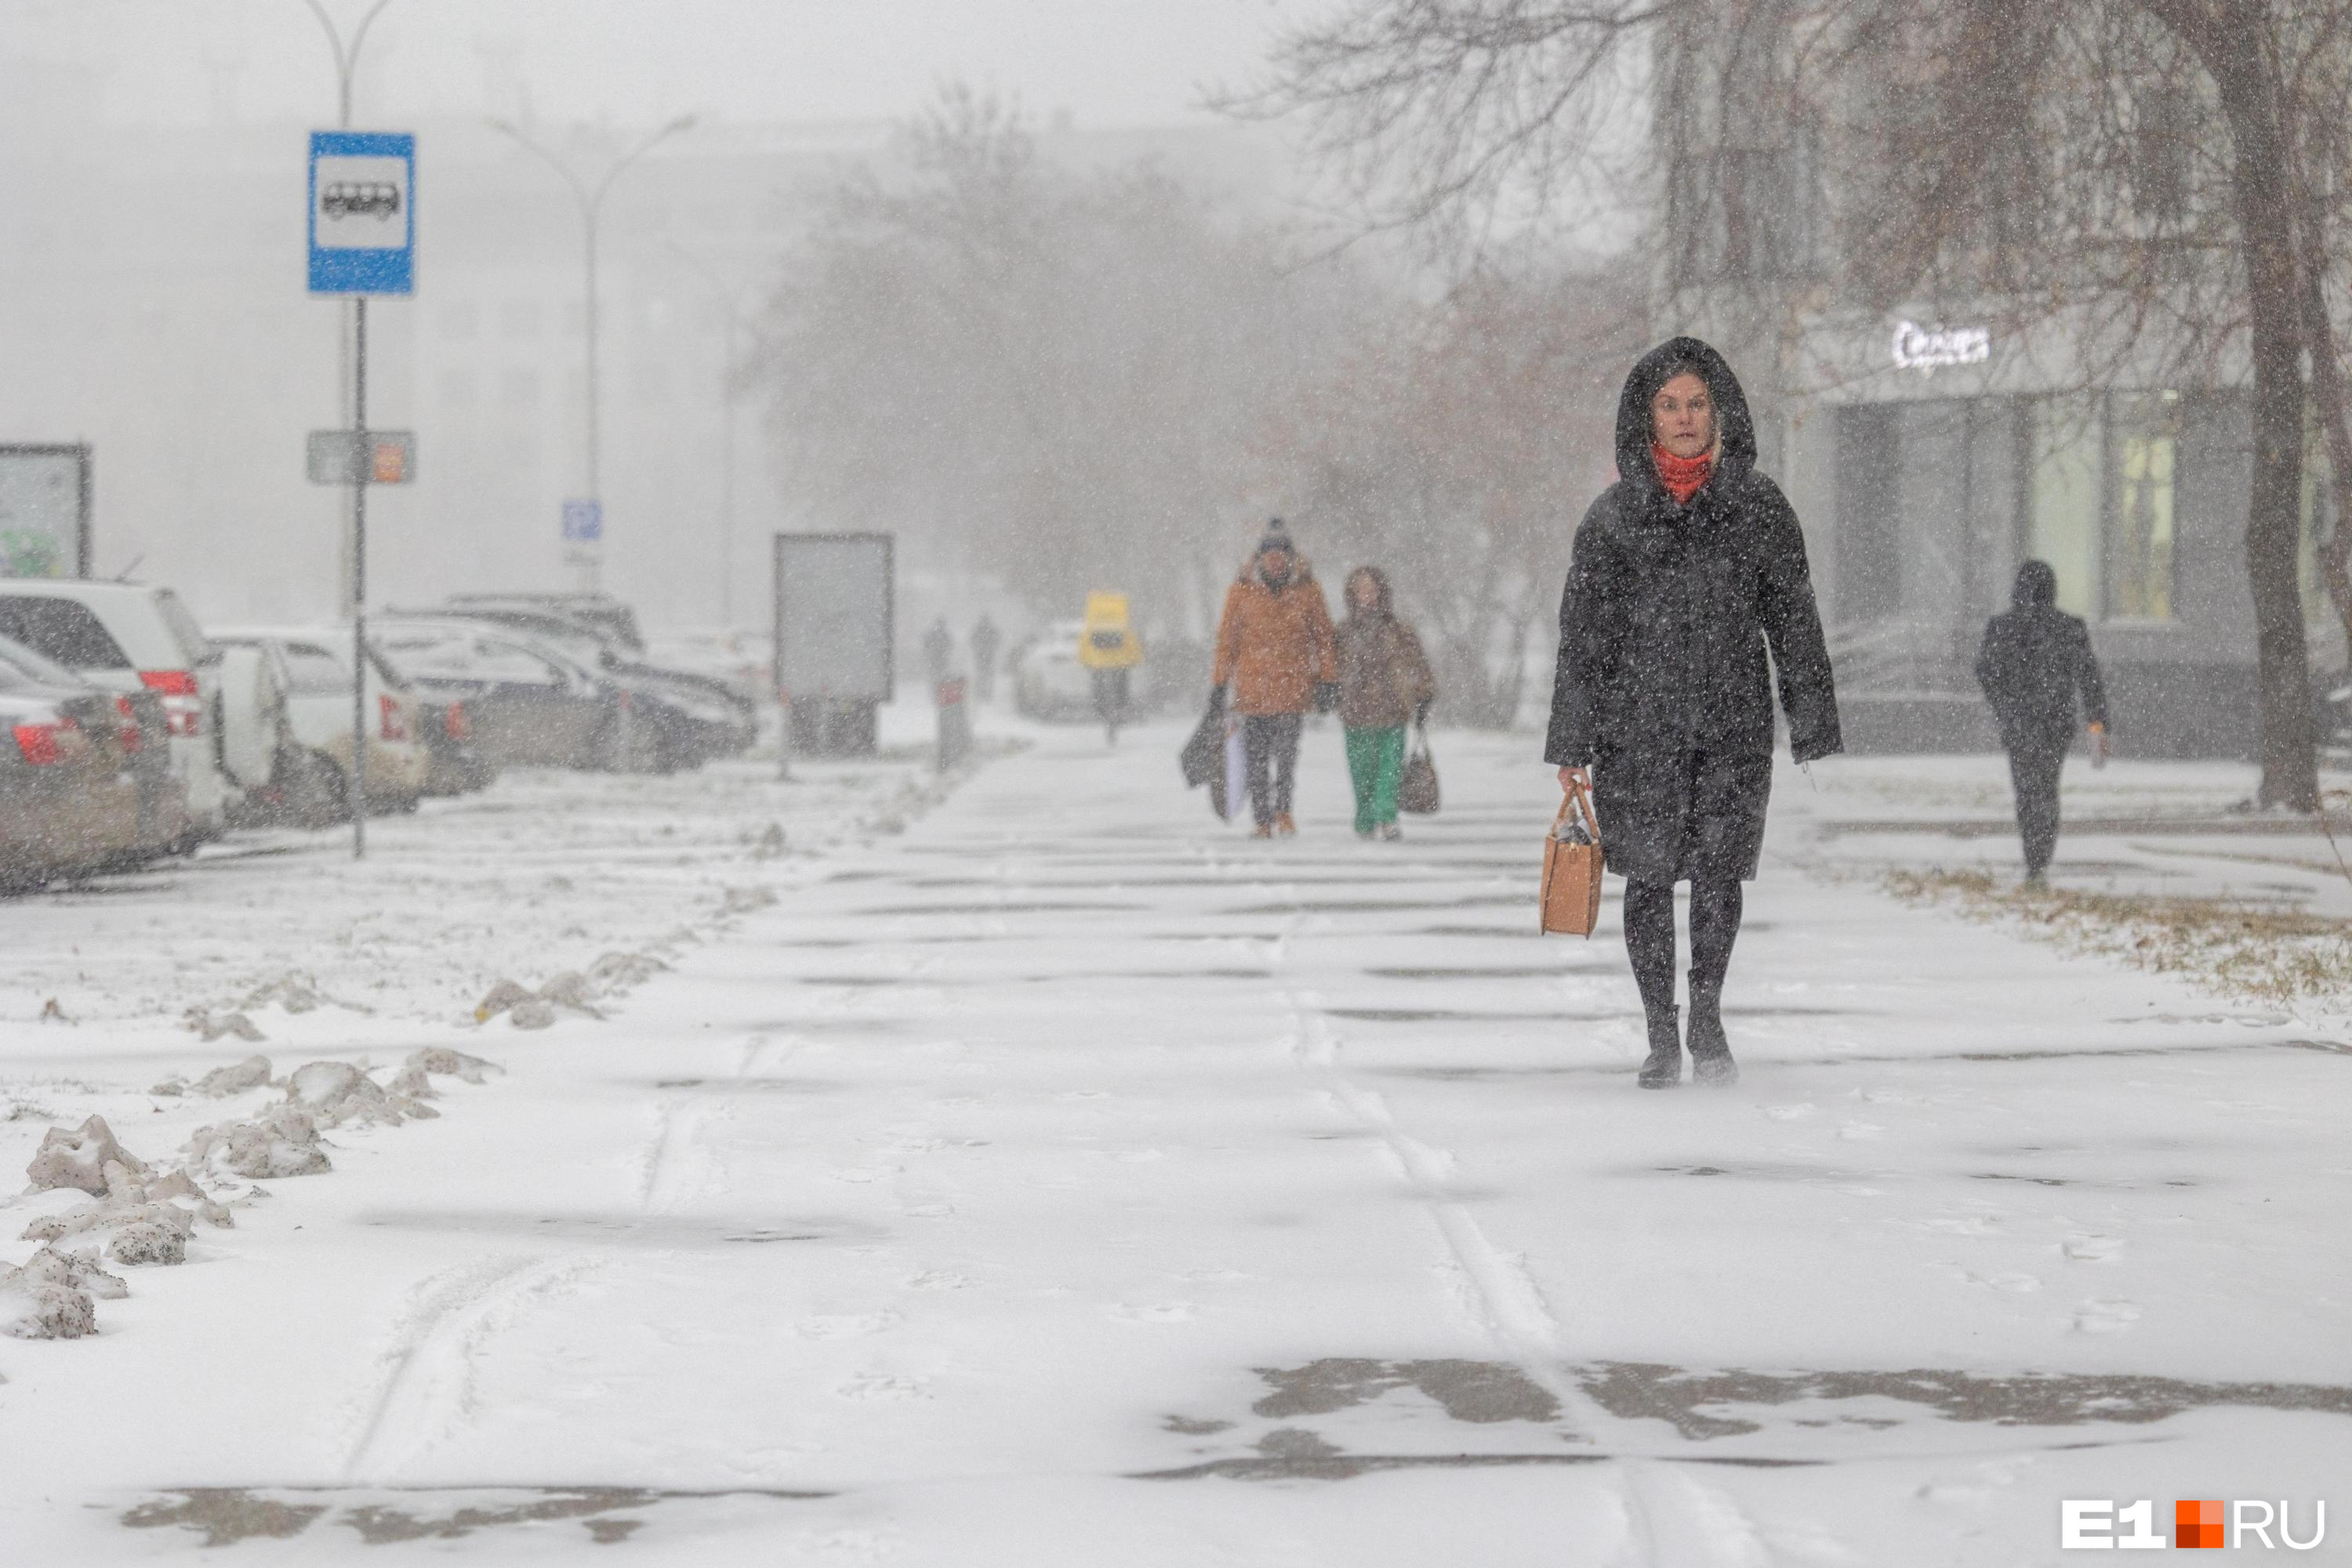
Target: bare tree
[
  {"x": 1053, "y": 374},
  {"x": 2008, "y": 146}
]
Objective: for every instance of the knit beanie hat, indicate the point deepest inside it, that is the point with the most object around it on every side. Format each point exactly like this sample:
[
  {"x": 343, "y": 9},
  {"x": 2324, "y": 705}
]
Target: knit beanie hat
[{"x": 1276, "y": 537}]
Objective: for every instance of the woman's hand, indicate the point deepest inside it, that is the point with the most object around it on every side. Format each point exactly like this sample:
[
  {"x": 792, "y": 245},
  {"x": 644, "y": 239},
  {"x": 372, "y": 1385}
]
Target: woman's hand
[{"x": 1571, "y": 777}]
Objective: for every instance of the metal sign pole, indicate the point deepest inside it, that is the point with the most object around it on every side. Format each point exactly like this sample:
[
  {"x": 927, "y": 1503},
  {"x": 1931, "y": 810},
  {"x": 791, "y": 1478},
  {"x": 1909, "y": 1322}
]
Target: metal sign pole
[{"x": 363, "y": 472}]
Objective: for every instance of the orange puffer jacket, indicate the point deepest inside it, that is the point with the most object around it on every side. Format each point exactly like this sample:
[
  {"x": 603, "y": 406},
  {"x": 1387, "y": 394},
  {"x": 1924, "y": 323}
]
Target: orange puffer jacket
[{"x": 1273, "y": 647}]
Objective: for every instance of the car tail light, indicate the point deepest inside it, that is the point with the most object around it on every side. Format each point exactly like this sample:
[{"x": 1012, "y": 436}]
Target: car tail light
[
  {"x": 183, "y": 707},
  {"x": 44, "y": 745},
  {"x": 454, "y": 722},
  {"x": 395, "y": 726},
  {"x": 133, "y": 736}
]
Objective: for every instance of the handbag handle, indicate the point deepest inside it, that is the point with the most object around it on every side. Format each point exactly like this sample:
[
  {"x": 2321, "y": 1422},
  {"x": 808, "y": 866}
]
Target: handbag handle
[{"x": 1575, "y": 796}]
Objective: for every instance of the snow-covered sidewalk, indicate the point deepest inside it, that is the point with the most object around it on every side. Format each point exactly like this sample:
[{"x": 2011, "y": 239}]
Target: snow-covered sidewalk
[{"x": 1072, "y": 1180}]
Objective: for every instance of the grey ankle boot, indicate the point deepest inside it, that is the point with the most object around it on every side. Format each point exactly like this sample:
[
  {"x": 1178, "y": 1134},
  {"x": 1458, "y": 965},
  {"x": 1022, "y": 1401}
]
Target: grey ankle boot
[
  {"x": 1710, "y": 1050},
  {"x": 1662, "y": 1067}
]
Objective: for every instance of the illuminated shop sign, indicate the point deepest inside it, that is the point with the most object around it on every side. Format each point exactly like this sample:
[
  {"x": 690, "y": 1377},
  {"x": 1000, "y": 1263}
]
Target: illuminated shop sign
[{"x": 1929, "y": 349}]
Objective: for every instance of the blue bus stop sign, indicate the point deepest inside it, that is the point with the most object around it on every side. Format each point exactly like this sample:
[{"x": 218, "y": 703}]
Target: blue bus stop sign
[
  {"x": 363, "y": 212},
  {"x": 583, "y": 523}
]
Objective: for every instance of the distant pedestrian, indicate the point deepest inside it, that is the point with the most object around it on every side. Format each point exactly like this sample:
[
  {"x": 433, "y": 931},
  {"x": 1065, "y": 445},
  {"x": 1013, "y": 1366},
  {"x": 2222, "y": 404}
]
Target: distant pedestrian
[
  {"x": 2035, "y": 663},
  {"x": 1275, "y": 650},
  {"x": 985, "y": 642},
  {"x": 1686, "y": 570},
  {"x": 1384, "y": 684},
  {"x": 939, "y": 650}
]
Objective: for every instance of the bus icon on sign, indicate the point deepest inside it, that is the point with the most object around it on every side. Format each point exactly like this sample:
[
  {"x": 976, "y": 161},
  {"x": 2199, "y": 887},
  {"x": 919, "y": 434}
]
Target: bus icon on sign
[{"x": 347, "y": 199}]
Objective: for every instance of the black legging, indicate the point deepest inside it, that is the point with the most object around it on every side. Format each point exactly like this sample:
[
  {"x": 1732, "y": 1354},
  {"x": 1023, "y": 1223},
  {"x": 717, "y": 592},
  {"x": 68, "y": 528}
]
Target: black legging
[{"x": 1650, "y": 940}]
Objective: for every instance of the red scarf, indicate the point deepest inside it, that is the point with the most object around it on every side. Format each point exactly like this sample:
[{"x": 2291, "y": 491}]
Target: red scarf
[{"x": 1681, "y": 476}]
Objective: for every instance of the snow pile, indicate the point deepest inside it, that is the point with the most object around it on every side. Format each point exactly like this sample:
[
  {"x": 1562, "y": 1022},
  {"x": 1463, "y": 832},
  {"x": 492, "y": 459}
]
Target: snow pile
[
  {"x": 81, "y": 1158},
  {"x": 138, "y": 1217},
  {"x": 50, "y": 1297},
  {"x": 611, "y": 975},
  {"x": 212, "y": 1025},
  {"x": 293, "y": 991},
  {"x": 333, "y": 1093},
  {"x": 282, "y": 1142}
]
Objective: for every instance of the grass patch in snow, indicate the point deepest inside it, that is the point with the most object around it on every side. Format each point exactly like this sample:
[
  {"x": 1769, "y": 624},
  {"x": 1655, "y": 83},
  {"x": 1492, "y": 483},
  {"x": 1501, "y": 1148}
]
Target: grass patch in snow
[{"x": 2258, "y": 951}]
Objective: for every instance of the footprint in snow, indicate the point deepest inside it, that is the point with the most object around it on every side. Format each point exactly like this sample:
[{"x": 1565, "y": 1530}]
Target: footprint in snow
[
  {"x": 882, "y": 1385},
  {"x": 938, "y": 1279},
  {"x": 2086, "y": 1248},
  {"x": 2105, "y": 1317},
  {"x": 844, "y": 1325},
  {"x": 1164, "y": 1313},
  {"x": 1790, "y": 1112},
  {"x": 860, "y": 1173},
  {"x": 1860, "y": 1132}
]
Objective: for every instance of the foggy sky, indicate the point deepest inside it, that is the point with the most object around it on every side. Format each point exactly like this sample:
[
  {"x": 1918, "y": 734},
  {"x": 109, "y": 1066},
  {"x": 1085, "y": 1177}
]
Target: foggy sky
[{"x": 1105, "y": 62}]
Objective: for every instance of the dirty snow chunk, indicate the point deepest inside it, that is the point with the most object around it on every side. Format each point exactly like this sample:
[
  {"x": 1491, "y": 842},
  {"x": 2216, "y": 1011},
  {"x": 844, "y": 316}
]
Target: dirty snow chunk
[
  {"x": 570, "y": 989},
  {"x": 620, "y": 970},
  {"x": 452, "y": 1064},
  {"x": 51, "y": 1267},
  {"x": 743, "y": 901},
  {"x": 213, "y": 1025},
  {"x": 170, "y": 1088},
  {"x": 250, "y": 1073},
  {"x": 506, "y": 994},
  {"x": 414, "y": 1079},
  {"x": 534, "y": 1014},
  {"x": 79, "y": 1158},
  {"x": 337, "y": 1092},
  {"x": 143, "y": 1242},
  {"x": 33, "y": 1309},
  {"x": 294, "y": 993},
  {"x": 111, "y": 1215},
  {"x": 284, "y": 1142}
]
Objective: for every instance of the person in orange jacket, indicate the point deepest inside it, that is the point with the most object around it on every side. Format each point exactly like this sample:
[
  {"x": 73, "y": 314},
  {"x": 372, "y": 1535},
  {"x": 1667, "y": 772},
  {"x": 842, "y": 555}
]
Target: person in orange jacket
[{"x": 1277, "y": 656}]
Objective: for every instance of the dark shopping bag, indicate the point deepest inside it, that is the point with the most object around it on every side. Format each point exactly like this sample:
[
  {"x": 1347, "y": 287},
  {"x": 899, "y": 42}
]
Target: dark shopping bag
[
  {"x": 1417, "y": 790},
  {"x": 1204, "y": 756},
  {"x": 1570, "y": 900}
]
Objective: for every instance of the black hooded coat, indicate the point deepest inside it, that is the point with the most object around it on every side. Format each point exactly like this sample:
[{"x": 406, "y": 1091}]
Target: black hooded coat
[
  {"x": 1662, "y": 684},
  {"x": 2035, "y": 661}
]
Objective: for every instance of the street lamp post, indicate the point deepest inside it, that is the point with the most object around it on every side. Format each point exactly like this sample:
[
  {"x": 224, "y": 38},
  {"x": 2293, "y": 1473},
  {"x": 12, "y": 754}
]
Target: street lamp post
[
  {"x": 730, "y": 388},
  {"x": 592, "y": 203}
]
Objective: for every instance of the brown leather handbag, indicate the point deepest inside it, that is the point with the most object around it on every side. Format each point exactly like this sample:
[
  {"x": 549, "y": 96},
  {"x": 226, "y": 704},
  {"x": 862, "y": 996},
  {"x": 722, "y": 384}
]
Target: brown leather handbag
[{"x": 1572, "y": 873}]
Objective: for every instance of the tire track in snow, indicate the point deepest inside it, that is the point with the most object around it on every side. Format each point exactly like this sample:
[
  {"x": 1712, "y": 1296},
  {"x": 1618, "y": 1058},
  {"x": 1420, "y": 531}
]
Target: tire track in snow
[
  {"x": 1672, "y": 1520},
  {"x": 678, "y": 1162},
  {"x": 427, "y": 1386}
]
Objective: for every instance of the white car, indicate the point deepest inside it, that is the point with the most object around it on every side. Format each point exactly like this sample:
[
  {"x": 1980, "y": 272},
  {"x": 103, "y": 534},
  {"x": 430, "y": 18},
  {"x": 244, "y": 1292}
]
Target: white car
[
  {"x": 317, "y": 673},
  {"x": 1048, "y": 681},
  {"x": 129, "y": 637}
]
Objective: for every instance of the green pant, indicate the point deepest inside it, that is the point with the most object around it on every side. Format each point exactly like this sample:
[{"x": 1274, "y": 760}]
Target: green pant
[{"x": 1376, "y": 762}]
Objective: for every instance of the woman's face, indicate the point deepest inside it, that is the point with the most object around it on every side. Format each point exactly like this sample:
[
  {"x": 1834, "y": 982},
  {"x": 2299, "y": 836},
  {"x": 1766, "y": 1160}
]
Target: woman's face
[
  {"x": 1682, "y": 416},
  {"x": 1363, "y": 593}
]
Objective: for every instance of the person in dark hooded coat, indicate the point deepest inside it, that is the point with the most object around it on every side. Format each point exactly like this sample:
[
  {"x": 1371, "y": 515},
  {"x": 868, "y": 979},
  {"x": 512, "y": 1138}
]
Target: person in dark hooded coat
[
  {"x": 1685, "y": 571},
  {"x": 2036, "y": 658}
]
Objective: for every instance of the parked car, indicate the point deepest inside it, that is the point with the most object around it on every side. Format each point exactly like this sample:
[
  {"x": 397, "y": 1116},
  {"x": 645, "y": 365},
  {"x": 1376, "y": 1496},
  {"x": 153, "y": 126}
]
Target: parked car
[
  {"x": 525, "y": 705},
  {"x": 317, "y": 662},
  {"x": 599, "y": 612},
  {"x": 1048, "y": 681},
  {"x": 129, "y": 639},
  {"x": 68, "y": 800},
  {"x": 676, "y": 719}
]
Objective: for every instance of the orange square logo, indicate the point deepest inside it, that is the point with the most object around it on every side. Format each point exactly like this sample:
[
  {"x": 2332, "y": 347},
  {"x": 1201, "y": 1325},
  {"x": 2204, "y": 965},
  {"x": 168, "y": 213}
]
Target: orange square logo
[{"x": 2198, "y": 1524}]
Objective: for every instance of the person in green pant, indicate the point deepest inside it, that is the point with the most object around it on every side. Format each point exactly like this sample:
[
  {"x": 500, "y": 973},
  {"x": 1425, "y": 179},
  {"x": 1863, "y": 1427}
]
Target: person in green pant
[{"x": 1384, "y": 685}]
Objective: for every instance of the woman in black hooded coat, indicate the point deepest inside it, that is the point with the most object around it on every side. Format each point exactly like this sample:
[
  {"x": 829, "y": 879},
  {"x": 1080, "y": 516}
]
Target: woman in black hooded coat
[{"x": 1685, "y": 571}]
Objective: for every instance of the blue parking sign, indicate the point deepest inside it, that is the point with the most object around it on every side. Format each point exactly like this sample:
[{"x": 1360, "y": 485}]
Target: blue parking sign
[
  {"x": 363, "y": 212},
  {"x": 583, "y": 523}
]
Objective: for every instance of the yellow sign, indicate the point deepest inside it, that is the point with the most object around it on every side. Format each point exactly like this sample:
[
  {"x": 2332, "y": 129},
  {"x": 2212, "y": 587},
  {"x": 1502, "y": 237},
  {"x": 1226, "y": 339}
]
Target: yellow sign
[{"x": 1109, "y": 640}]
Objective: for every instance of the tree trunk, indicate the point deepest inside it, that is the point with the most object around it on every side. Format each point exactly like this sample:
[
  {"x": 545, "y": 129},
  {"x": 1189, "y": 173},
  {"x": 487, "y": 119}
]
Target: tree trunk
[
  {"x": 2234, "y": 50},
  {"x": 2334, "y": 553}
]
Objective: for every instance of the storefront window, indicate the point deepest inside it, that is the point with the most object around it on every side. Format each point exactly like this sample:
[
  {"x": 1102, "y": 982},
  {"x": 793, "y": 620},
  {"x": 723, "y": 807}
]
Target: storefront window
[
  {"x": 2139, "y": 557},
  {"x": 2063, "y": 521}
]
